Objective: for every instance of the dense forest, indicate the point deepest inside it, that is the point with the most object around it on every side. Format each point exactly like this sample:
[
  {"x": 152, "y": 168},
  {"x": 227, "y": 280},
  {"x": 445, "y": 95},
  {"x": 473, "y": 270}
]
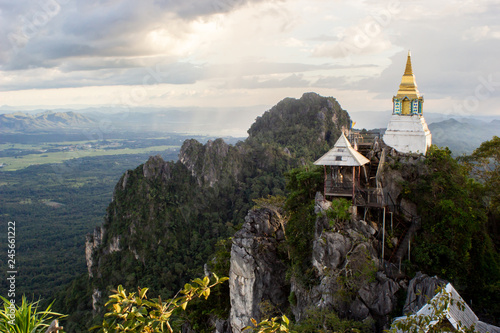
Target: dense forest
[
  {"x": 53, "y": 211},
  {"x": 56, "y": 205}
]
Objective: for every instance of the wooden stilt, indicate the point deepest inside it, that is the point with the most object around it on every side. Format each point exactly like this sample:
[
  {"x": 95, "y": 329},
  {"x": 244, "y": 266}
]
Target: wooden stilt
[{"x": 383, "y": 234}]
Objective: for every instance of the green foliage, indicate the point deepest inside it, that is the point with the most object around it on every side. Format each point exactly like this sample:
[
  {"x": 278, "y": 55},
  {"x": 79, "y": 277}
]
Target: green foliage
[
  {"x": 484, "y": 165},
  {"x": 276, "y": 202},
  {"x": 171, "y": 228},
  {"x": 131, "y": 312},
  {"x": 76, "y": 300},
  {"x": 168, "y": 217},
  {"x": 25, "y": 318},
  {"x": 302, "y": 185},
  {"x": 202, "y": 312},
  {"x": 325, "y": 321},
  {"x": 276, "y": 324},
  {"x": 339, "y": 211},
  {"x": 451, "y": 214},
  {"x": 453, "y": 242},
  {"x": 292, "y": 298}
]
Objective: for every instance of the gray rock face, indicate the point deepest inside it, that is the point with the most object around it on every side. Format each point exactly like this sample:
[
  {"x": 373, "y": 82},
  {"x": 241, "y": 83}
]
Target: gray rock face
[
  {"x": 96, "y": 297},
  {"x": 92, "y": 242},
  {"x": 344, "y": 257},
  {"x": 421, "y": 289},
  {"x": 256, "y": 274},
  {"x": 378, "y": 296},
  {"x": 211, "y": 162},
  {"x": 153, "y": 168},
  {"x": 396, "y": 168}
]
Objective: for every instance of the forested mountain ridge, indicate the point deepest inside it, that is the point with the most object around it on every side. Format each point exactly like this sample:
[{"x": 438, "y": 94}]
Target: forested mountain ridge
[
  {"x": 463, "y": 136},
  {"x": 19, "y": 122},
  {"x": 165, "y": 217}
]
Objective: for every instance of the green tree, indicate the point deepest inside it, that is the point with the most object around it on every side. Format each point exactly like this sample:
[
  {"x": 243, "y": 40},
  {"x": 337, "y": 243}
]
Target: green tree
[
  {"x": 484, "y": 165},
  {"x": 326, "y": 320},
  {"x": 302, "y": 185},
  {"x": 454, "y": 242},
  {"x": 339, "y": 211},
  {"x": 452, "y": 213}
]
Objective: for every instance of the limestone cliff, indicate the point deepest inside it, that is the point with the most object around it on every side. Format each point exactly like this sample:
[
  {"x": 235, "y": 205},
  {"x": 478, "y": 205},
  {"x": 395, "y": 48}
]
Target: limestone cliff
[
  {"x": 350, "y": 281},
  {"x": 211, "y": 162},
  {"x": 257, "y": 272},
  {"x": 92, "y": 242}
]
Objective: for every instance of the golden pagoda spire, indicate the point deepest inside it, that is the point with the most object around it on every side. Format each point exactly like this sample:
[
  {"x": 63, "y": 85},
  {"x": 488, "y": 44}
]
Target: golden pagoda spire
[
  {"x": 408, "y": 69},
  {"x": 408, "y": 86}
]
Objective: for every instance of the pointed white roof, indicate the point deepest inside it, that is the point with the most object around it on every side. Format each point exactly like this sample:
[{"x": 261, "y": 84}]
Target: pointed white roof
[
  {"x": 455, "y": 310},
  {"x": 342, "y": 154}
]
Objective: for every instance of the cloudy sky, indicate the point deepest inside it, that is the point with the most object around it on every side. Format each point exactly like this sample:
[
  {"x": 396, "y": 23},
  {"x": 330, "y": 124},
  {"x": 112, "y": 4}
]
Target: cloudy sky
[{"x": 226, "y": 53}]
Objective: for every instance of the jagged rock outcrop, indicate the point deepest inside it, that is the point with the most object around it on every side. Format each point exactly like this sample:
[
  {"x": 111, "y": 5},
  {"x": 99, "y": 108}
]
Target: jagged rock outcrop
[
  {"x": 344, "y": 257},
  {"x": 96, "y": 298},
  {"x": 92, "y": 242},
  {"x": 420, "y": 290},
  {"x": 155, "y": 168},
  {"x": 312, "y": 122},
  {"x": 347, "y": 265},
  {"x": 257, "y": 273},
  {"x": 394, "y": 170},
  {"x": 210, "y": 162}
]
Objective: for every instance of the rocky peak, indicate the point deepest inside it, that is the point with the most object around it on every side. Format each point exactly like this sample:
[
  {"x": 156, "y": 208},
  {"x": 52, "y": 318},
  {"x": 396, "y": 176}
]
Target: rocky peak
[
  {"x": 301, "y": 122},
  {"x": 347, "y": 265},
  {"x": 162, "y": 212},
  {"x": 209, "y": 163},
  {"x": 156, "y": 167}
]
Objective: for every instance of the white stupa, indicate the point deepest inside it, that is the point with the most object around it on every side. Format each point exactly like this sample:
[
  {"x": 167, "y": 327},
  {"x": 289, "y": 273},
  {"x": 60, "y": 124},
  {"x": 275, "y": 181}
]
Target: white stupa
[{"x": 407, "y": 131}]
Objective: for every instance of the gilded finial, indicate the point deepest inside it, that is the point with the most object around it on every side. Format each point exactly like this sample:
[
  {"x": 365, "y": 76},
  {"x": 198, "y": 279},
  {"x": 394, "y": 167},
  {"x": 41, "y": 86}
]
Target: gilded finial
[{"x": 408, "y": 69}]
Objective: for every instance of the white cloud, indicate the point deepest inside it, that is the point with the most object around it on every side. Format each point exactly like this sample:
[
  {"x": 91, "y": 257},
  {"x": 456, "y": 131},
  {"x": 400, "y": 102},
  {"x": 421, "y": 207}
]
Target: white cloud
[
  {"x": 482, "y": 33},
  {"x": 241, "y": 51}
]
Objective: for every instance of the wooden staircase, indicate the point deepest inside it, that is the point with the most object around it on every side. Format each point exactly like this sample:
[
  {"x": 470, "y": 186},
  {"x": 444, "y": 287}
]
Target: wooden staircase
[
  {"x": 364, "y": 148},
  {"x": 402, "y": 246}
]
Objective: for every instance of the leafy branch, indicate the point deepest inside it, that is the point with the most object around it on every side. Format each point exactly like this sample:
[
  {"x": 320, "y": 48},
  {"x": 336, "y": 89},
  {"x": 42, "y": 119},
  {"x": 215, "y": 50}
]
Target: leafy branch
[
  {"x": 276, "y": 324},
  {"x": 133, "y": 312}
]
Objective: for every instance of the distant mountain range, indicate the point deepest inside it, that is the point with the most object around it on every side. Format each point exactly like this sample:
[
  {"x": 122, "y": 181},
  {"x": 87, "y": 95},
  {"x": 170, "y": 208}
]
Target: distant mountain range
[
  {"x": 48, "y": 121},
  {"x": 461, "y": 134},
  {"x": 206, "y": 121}
]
